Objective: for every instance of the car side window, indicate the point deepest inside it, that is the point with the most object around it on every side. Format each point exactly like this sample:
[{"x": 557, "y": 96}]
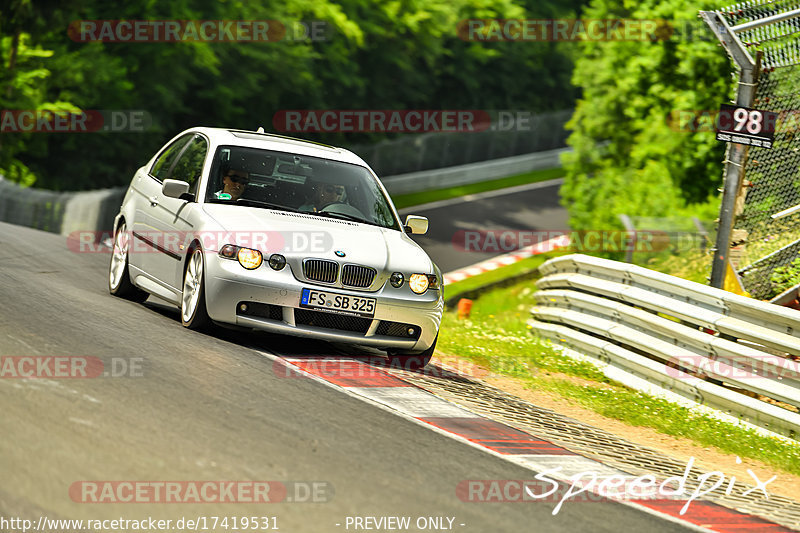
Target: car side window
[
  {"x": 164, "y": 161},
  {"x": 190, "y": 165}
]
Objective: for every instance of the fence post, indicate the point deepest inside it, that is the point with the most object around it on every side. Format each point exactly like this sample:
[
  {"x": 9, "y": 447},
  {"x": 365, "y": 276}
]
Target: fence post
[{"x": 736, "y": 154}]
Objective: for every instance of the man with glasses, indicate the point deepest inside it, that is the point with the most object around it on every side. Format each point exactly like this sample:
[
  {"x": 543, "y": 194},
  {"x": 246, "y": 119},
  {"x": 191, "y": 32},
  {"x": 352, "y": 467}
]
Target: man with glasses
[
  {"x": 233, "y": 184},
  {"x": 323, "y": 194}
]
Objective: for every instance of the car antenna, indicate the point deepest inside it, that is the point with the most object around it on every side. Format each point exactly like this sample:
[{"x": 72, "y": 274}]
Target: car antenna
[{"x": 260, "y": 129}]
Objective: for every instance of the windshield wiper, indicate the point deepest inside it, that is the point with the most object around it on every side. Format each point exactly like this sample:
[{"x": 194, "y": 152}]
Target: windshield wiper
[
  {"x": 258, "y": 203},
  {"x": 345, "y": 216}
]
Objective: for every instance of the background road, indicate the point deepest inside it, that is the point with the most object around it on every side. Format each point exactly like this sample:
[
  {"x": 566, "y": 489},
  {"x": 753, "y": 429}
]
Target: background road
[
  {"x": 210, "y": 407},
  {"x": 533, "y": 207}
]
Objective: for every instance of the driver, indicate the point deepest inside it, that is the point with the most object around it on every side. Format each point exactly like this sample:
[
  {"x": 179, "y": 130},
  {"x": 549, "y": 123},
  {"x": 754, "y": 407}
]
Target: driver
[
  {"x": 233, "y": 184},
  {"x": 323, "y": 194}
]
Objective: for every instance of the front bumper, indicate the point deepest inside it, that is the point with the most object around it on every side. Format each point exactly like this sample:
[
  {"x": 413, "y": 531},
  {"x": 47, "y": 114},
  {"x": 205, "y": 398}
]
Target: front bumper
[{"x": 268, "y": 300}]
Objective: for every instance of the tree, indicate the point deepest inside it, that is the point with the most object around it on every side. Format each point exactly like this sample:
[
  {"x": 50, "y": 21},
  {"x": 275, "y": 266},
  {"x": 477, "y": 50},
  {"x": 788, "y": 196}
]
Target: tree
[
  {"x": 632, "y": 154},
  {"x": 401, "y": 54}
]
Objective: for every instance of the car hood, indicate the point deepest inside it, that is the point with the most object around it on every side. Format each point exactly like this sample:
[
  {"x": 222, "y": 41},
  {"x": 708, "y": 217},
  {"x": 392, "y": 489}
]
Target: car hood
[{"x": 298, "y": 236}]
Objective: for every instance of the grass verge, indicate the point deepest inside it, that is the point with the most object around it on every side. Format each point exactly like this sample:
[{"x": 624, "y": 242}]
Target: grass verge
[
  {"x": 417, "y": 198},
  {"x": 497, "y": 337}
]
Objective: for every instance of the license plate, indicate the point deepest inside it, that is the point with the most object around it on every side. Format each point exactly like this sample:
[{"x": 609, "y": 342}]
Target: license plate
[{"x": 337, "y": 303}]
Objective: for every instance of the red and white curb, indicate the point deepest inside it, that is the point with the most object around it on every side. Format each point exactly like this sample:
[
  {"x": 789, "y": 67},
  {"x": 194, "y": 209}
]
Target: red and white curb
[
  {"x": 507, "y": 259},
  {"x": 390, "y": 392}
]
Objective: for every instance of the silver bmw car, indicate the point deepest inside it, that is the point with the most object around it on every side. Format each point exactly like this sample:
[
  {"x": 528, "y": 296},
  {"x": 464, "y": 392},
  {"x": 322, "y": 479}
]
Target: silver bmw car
[{"x": 277, "y": 234}]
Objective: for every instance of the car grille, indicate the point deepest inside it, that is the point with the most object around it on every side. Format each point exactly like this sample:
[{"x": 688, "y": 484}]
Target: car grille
[
  {"x": 272, "y": 312},
  {"x": 325, "y": 320},
  {"x": 397, "y": 329},
  {"x": 358, "y": 276},
  {"x": 320, "y": 270}
]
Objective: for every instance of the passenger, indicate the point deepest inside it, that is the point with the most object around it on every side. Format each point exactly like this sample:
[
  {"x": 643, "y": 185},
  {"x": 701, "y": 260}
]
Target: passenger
[{"x": 323, "y": 194}]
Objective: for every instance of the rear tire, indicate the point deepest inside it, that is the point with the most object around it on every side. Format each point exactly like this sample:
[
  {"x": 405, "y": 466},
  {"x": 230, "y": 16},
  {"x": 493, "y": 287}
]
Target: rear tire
[
  {"x": 119, "y": 279},
  {"x": 193, "y": 300},
  {"x": 412, "y": 361}
]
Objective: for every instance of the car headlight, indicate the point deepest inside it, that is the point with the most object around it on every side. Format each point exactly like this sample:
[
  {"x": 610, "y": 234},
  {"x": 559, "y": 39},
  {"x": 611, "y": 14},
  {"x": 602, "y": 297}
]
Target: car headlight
[
  {"x": 397, "y": 279},
  {"x": 418, "y": 283},
  {"x": 249, "y": 258}
]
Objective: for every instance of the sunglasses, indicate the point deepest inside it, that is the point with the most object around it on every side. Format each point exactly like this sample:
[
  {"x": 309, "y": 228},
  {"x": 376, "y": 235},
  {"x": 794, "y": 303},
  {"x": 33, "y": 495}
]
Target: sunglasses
[
  {"x": 330, "y": 189},
  {"x": 238, "y": 179}
]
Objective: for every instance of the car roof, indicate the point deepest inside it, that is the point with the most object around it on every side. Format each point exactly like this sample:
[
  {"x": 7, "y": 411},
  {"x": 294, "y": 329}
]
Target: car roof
[{"x": 278, "y": 143}]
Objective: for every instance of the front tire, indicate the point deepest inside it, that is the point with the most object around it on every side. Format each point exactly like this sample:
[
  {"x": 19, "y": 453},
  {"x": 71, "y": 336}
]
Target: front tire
[
  {"x": 411, "y": 361},
  {"x": 193, "y": 300},
  {"x": 119, "y": 279}
]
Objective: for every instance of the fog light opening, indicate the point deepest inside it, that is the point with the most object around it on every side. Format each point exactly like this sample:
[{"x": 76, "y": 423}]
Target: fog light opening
[
  {"x": 277, "y": 262},
  {"x": 397, "y": 279}
]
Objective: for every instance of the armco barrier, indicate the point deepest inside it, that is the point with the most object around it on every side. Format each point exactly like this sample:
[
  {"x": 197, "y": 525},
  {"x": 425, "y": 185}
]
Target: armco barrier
[
  {"x": 59, "y": 212},
  {"x": 441, "y": 178},
  {"x": 720, "y": 349}
]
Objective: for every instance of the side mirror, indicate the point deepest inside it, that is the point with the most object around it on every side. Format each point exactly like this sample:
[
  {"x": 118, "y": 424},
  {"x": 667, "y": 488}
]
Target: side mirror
[
  {"x": 174, "y": 188},
  {"x": 416, "y": 224}
]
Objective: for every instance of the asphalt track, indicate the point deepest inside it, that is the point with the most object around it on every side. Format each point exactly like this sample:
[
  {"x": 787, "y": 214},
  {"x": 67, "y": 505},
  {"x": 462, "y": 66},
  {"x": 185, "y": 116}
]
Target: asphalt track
[
  {"x": 526, "y": 208},
  {"x": 211, "y": 407}
]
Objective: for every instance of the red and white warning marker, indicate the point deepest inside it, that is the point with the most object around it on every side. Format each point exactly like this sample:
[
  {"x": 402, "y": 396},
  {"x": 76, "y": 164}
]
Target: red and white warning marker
[{"x": 510, "y": 258}]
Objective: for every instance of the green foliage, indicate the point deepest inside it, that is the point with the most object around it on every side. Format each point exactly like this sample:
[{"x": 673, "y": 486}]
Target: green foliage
[
  {"x": 785, "y": 277},
  {"x": 22, "y": 87},
  {"x": 401, "y": 54},
  {"x": 630, "y": 154}
]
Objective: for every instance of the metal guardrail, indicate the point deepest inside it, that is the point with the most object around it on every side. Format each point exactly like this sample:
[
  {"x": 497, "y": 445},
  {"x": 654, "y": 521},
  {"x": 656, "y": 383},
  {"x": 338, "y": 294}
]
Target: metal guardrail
[
  {"x": 717, "y": 348},
  {"x": 59, "y": 212},
  {"x": 440, "y": 178}
]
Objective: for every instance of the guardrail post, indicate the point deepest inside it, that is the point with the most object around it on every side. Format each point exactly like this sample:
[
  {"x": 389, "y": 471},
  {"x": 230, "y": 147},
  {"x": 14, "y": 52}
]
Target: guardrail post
[{"x": 626, "y": 221}]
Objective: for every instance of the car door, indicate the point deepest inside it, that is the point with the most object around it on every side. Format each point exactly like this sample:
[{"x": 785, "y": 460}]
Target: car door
[
  {"x": 170, "y": 216},
  {"x": 147, "y": 188}
]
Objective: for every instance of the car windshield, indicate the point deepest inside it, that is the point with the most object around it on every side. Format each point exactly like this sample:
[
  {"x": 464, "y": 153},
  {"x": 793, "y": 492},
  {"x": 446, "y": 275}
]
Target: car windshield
[{"x": 250, "y": 177}]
